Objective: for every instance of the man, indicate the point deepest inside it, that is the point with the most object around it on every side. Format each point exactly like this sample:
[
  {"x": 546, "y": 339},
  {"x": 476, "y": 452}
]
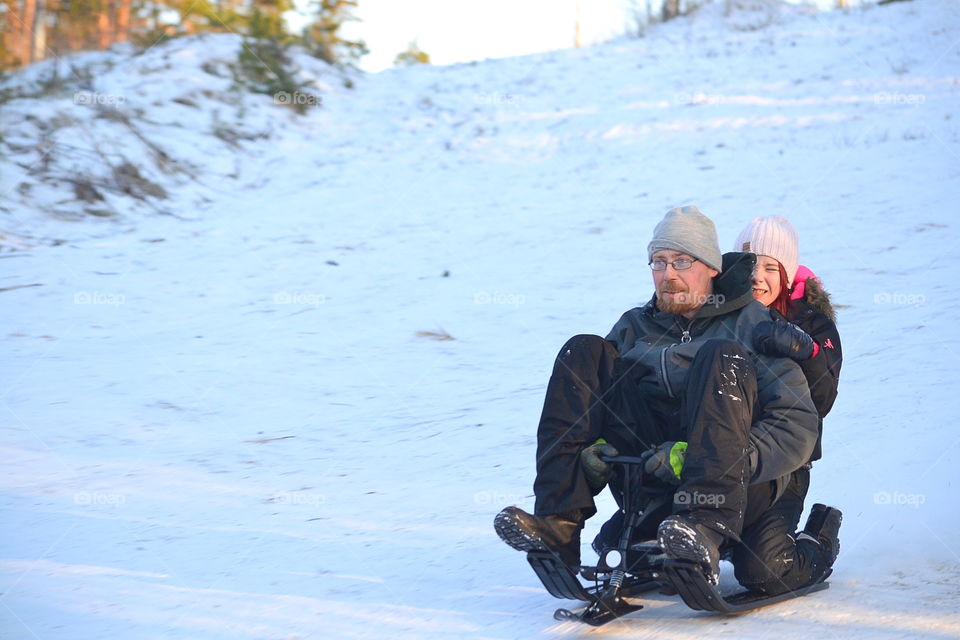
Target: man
[{"x": 678, "y": 381}]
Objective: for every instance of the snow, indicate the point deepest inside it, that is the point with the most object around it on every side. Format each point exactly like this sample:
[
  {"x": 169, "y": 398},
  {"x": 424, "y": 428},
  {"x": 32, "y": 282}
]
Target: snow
[{"x": 287, "y": 401}]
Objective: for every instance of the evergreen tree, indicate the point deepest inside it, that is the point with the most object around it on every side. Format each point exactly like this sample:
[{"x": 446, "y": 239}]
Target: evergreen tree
[
  {"x": 265, "y": 66},
  {"x": 323, "y": 37},
  {"x": 35, "y": 29}
]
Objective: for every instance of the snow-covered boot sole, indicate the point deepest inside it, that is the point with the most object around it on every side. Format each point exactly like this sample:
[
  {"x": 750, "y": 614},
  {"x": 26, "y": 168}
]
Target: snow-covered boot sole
[
  {"x": 557, "y": 533},
  {"x": 681, "y": 540},
  {"x": 509, "y": 527}
]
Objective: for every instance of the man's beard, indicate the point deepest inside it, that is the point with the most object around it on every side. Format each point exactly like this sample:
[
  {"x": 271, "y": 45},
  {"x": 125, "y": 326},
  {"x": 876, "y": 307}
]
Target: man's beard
[{"x": 675, "y": 306}]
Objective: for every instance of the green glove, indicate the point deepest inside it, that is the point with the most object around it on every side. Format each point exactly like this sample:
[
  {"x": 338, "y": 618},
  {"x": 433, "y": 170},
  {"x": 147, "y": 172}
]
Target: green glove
[
  {"x": 596, "y": 470},
  {"x": 666, "y": 461}
]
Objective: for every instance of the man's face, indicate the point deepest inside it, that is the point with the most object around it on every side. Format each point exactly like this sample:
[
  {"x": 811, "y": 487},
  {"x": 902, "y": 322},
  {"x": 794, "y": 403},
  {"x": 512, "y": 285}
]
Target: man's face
[{"x": 682, "y": 292}]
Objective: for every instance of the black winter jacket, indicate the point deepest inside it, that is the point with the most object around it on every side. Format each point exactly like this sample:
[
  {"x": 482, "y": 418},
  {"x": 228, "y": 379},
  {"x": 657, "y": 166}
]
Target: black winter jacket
[{"x": 661, "y": 347}]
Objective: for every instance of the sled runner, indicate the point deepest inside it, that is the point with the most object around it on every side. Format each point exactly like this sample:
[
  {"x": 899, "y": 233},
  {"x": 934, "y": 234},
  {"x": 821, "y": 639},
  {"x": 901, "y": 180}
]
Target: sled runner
[{"x": 633, "y": 568}]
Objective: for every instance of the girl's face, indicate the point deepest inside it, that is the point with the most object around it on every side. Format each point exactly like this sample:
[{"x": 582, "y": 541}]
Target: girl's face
[{"x": 766, "y": 280}]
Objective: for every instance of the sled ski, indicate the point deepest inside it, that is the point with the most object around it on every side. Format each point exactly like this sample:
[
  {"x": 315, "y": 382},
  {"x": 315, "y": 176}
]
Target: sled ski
[
  {"x": 630, "y": 569},
  {"x": 698, "y": 594},
  {"x": 605, "y": 598},
  {"x": 558, "y": 579}
]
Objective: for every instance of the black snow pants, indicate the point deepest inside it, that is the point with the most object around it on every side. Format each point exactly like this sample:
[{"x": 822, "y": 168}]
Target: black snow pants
[
  {"x": 594, "y": 393},
  {"x": 769, "y": 557}
]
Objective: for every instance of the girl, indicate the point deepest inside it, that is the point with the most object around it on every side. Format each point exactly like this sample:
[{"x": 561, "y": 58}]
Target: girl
[
  {"x": 796, "y": 299},
  {"x": 796, "y": 294}
]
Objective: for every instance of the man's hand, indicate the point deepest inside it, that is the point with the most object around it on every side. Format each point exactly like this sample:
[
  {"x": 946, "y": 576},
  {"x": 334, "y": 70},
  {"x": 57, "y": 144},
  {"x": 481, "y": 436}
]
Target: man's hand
[
  {"x": 666, "y": 462},
  {"x": 783, "y": 340},
  {"x": 596, "y": 470}
]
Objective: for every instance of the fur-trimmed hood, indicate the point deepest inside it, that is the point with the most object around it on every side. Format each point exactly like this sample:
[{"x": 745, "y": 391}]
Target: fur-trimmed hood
[
  {"x": 819, "y": 298},
  {"x": 808, "y": 287}
]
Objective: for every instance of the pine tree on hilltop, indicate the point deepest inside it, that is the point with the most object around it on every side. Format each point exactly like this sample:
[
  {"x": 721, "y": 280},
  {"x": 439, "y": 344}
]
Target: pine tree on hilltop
[{"x": 323, "y": 37}]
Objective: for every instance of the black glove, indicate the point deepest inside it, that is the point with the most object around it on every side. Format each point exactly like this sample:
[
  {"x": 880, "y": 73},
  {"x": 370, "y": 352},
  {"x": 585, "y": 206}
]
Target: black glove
[
  {"x": 665, "y": 462},
  {"x": 596, "y": 470},
  {"x": 782, "y": 339}
]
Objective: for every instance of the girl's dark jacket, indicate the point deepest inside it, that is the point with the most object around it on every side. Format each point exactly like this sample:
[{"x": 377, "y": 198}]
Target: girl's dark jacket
[{"x": 812, "y": 311}]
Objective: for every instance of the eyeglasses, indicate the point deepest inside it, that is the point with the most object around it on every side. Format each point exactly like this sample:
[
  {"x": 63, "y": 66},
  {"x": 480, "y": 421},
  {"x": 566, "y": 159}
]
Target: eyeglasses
[{"x": 681, "y": 264}]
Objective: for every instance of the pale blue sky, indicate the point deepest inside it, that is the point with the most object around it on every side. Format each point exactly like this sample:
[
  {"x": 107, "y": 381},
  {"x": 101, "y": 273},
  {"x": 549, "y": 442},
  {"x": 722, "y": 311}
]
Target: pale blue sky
[{"x": 462, "y": 30}]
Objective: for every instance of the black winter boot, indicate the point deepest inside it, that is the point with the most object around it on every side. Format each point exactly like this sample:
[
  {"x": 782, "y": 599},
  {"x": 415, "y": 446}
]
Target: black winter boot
[
  {"x": 683, "y": 539},
  {"x": 823, "y": 527},
  {"x": 559, "y": 532}
]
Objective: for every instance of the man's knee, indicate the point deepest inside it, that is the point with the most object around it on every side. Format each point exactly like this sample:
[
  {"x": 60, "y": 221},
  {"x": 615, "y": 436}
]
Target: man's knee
[
  {"x": 583, "y": 349},
  {"x": 729, "y": 359},
  {"x": 718, "y": 347},
  {"x": 586, "y": 342}
]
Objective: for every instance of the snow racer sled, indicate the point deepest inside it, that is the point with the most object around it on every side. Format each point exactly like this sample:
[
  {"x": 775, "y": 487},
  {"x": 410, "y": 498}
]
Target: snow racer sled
[{"x": 630, "y": 568}]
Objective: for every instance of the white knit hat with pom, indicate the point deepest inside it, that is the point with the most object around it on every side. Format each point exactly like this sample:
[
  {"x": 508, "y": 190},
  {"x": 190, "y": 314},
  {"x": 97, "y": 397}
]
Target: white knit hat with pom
[{"x": 775, "y": 237}]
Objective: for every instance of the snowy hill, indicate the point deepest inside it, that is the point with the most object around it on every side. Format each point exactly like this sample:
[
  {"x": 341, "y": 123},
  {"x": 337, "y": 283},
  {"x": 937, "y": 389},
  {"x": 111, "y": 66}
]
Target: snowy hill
[{"x": 286, "y": 400}]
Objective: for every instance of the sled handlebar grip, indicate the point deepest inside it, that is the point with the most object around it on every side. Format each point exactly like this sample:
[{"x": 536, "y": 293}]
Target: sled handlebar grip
[{"x": 623, "y": 459}]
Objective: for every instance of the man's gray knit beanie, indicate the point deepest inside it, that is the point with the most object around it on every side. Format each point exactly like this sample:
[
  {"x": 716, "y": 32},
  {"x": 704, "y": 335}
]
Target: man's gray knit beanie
[{"x": 687, "y": 230}]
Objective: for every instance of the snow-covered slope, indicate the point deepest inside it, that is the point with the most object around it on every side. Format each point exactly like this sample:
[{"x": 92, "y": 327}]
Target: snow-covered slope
[
  {"x": 109, "y": 138},
  {"x": 241, "y": 422}
]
